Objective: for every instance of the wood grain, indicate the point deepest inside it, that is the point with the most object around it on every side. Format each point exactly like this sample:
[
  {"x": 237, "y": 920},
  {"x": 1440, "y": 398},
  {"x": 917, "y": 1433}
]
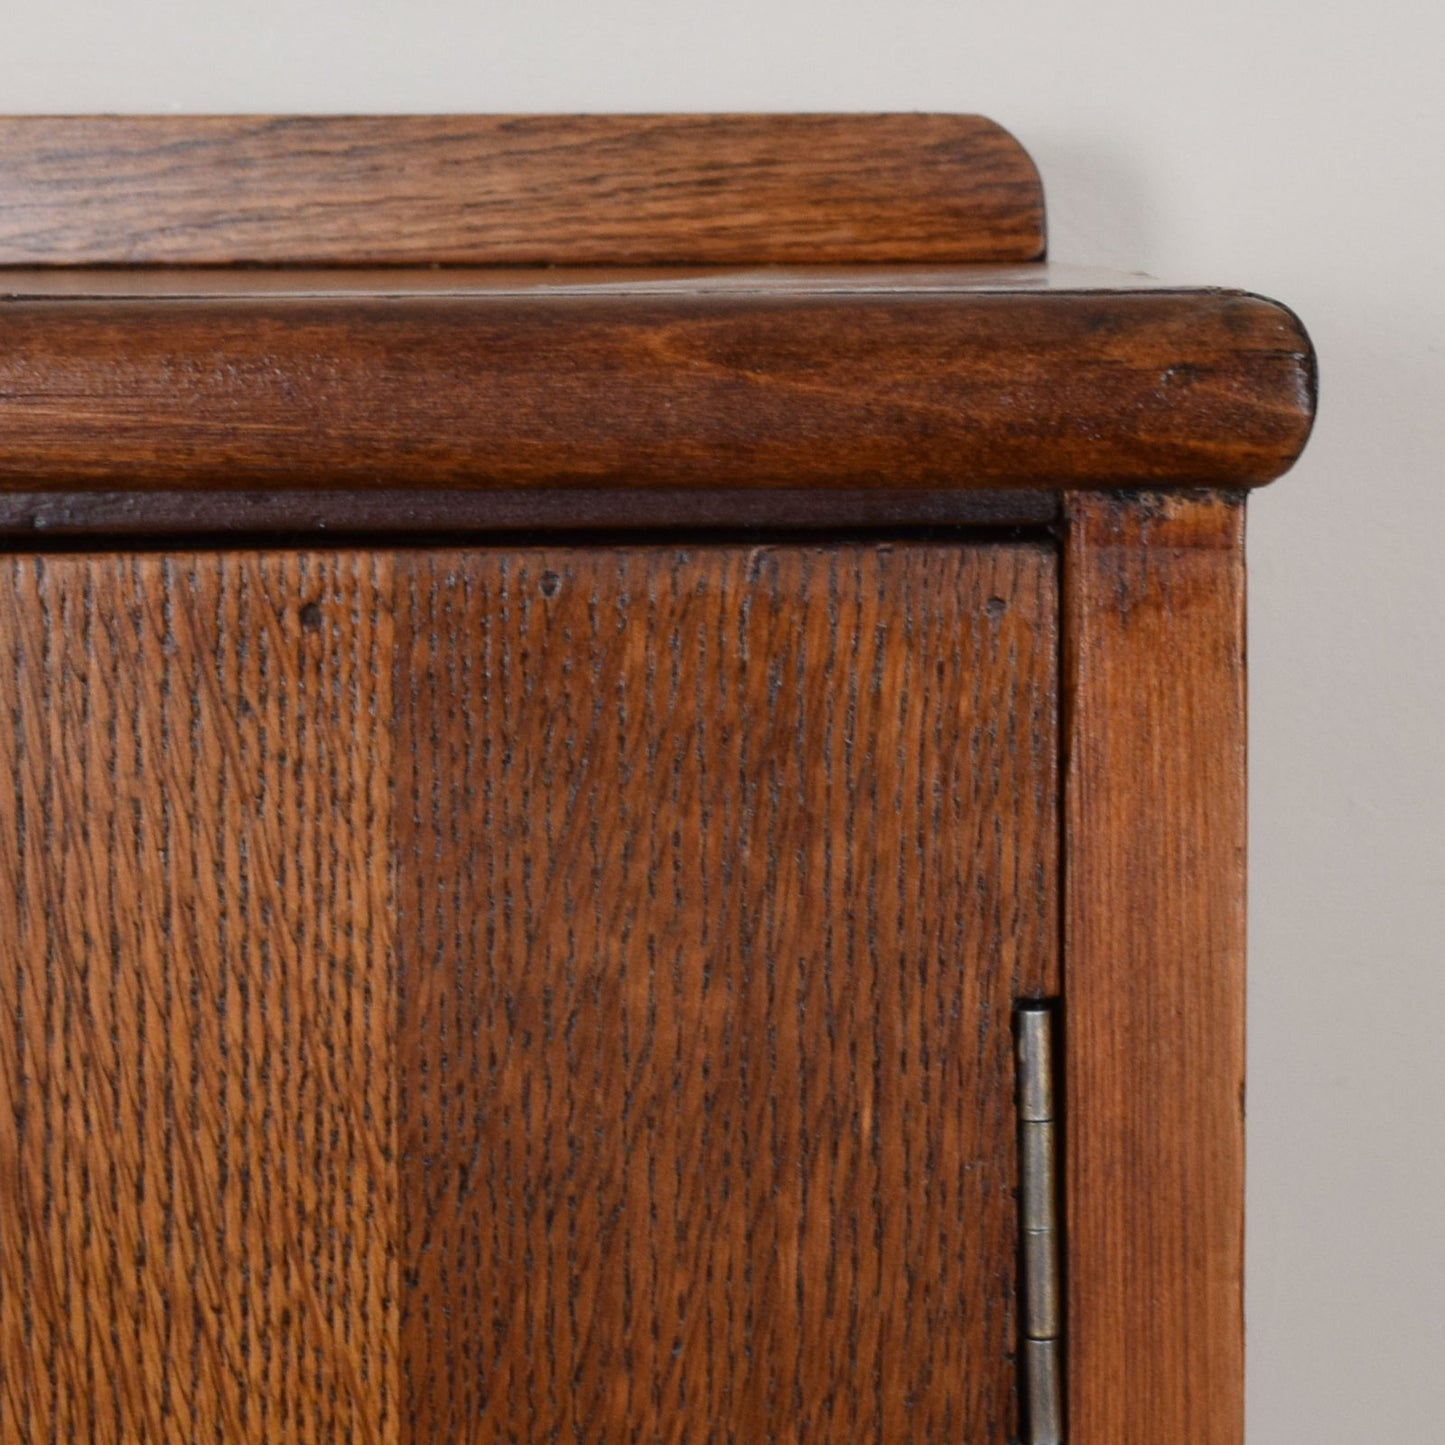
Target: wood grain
[
  {"x": 542, "y": 190},
  {"x": 1154, "y": 967},
  {"x": 197, "y": 1177},
  {"x": 722, "y": 867},
  {"x": 476, "y": 995},
  {"x": 858, "y": 385}
]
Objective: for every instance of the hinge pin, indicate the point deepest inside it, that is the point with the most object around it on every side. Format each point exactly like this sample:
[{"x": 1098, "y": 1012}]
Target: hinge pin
[{"x": 1038, "y": 1223}]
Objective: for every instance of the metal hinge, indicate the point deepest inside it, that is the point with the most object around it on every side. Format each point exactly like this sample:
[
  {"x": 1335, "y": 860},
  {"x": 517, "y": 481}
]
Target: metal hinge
[{"x": 1042, "y": 1303}]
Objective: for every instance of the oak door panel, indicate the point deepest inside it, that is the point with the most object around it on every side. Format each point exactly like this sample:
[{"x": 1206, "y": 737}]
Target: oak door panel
[
  {"x": 509, "y": 994},
  {"x": 197, "y": 1188},
  {"x": 720, "y": 869}
]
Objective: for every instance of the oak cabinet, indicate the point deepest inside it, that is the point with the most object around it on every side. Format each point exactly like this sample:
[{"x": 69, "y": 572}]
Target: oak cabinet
[{"x": 532, "y": 796}]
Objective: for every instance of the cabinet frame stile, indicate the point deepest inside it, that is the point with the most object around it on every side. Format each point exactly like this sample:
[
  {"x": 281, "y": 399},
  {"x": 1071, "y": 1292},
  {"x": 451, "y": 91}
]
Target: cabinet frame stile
[{"x": 1153, "y": 741}]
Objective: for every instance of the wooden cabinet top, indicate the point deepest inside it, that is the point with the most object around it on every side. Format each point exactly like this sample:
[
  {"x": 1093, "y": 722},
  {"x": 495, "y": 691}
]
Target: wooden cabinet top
[{"x": 598, "y": 304}]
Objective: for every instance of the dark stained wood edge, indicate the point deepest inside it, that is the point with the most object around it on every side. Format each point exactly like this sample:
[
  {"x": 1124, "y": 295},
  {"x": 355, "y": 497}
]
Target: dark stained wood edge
[
  {"x": 1154, "y": 738},
  {"x": 37, "y": 515},
  {"x": 966, "y": 389},
  {"x": 514, "y": 190}
]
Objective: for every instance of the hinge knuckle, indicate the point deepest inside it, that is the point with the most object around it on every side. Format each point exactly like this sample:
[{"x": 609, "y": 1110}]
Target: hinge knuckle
[{"x": 1042, "y": 1291}]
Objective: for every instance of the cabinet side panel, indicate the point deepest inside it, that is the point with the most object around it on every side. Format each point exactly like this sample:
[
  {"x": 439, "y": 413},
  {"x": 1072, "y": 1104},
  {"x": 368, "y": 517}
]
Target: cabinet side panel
[
  {"x": 1154, "y": 967},
  {"x": 195, "y": 1195},
  {"x": 718, "y": 871}
]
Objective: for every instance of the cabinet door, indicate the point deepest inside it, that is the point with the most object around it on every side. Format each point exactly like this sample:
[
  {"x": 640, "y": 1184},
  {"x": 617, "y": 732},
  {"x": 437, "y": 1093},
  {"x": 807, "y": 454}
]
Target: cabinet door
[{"x": 519, "y": 994}]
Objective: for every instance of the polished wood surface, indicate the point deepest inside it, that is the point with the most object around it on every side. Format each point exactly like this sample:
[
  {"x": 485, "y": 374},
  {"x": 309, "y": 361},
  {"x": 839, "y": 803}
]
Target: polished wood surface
[
  {"x": 849, "y": 381},
  {"x": 1154, "y": 734},
  {"x": 715, "y": 925},
  {"x": 363, "y": 283},
  {"x": 197, "y": 1151},
  {"x": 541, "y": 190},
  {"x": 498, "y": 994}
]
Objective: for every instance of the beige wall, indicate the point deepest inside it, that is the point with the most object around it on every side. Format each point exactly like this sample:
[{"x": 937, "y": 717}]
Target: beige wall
[{"x": 1294, "y": 148}]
